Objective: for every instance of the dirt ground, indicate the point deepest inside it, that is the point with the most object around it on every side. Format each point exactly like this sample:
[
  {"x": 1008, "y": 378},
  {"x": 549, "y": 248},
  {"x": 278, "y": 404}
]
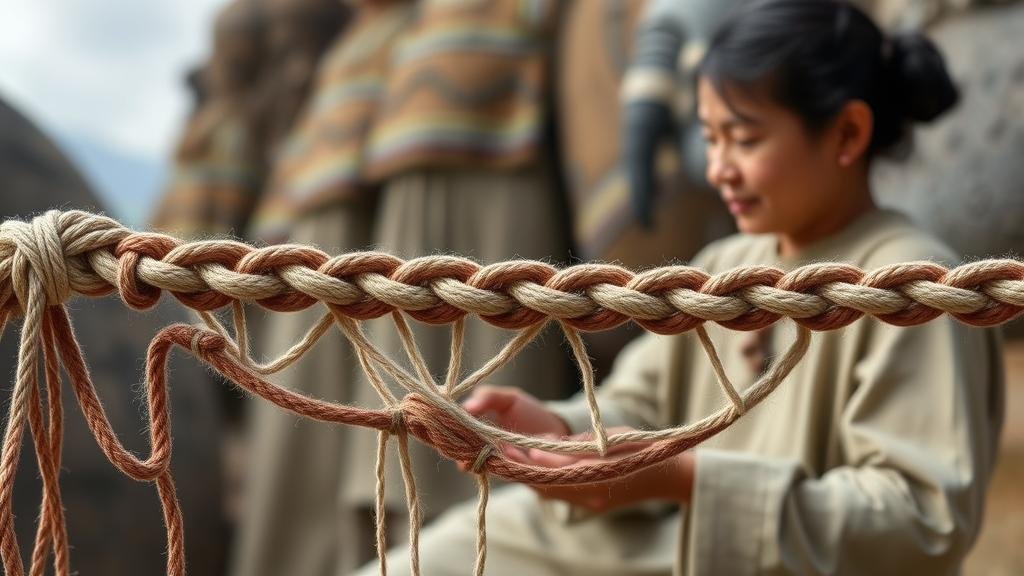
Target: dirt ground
[{"x": 999, "y": 552}]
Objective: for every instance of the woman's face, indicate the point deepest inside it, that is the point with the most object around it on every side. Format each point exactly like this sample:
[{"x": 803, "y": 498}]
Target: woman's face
[{"x": 773, "y": 175}]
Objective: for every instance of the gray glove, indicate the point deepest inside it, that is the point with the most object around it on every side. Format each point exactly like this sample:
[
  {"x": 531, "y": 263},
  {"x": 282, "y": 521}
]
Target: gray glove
[
  {"x": 649, "y": 90},
  {"x": 669, "y": 44}
]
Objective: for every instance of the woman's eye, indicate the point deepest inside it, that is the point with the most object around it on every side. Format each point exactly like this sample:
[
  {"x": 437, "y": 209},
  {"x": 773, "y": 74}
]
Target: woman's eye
[{"x": 747, "y": 142}]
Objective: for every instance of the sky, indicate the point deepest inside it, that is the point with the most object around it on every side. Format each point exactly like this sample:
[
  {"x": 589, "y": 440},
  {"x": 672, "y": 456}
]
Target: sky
[{"x": 105, "y": 79}]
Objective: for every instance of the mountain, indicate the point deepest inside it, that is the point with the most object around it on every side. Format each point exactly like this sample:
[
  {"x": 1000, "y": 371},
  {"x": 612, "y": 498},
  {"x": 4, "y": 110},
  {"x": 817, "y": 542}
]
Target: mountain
[{"x": 128, "y": 184}]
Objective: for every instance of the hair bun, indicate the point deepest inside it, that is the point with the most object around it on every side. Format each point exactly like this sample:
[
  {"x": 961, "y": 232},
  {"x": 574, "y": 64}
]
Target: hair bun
[{"x": 923, "y": 86}]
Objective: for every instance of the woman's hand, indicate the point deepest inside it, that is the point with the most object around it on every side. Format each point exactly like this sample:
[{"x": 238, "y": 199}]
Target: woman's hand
[
  {"x": 515, "y": 411},
  {"x": 670, "y": 480}
]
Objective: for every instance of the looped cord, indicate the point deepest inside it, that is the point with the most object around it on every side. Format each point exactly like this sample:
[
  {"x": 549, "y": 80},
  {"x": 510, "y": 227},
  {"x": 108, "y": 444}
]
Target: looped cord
[
  {"x": 397, "y": 423},
  {"x": 38, "y": 249},
  {"x": 478, "y": 464}
]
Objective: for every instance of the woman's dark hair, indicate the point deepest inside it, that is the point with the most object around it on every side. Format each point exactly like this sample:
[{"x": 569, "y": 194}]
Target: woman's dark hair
[{"x": 814, "y": 56}]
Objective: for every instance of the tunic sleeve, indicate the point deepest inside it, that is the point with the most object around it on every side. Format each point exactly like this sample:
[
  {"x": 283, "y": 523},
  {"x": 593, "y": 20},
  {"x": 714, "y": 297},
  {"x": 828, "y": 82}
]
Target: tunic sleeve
[{"x": 918, "y": 436}]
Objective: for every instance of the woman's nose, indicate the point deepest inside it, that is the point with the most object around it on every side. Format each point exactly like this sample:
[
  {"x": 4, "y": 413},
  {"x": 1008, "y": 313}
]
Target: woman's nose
[{"x": 720, "y": 170}]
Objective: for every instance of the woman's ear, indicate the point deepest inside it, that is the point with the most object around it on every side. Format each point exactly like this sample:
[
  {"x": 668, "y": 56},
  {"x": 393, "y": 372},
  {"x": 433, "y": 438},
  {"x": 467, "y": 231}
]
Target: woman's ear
[{"x": 854, "y": 125}]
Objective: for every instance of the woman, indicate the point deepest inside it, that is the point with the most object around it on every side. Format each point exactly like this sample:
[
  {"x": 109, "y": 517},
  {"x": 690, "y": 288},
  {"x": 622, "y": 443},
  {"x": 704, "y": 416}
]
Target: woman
[{"x": 874, "y": 454}]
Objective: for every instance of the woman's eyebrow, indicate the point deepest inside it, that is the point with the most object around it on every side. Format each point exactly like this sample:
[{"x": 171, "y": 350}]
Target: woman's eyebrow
[{"x": 730, "y": 123}]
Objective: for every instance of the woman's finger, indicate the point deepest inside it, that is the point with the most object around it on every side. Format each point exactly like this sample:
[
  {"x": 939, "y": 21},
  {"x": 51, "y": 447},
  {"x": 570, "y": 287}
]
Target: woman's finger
[
  {"x": 551, "y": 460},
  {"x": 489, "y": 399}
]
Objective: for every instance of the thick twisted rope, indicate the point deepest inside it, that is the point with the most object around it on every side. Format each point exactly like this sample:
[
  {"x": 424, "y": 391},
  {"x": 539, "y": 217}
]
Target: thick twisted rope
[
  {"x": 45, "y": 261},
  {"x": 94, "y": 255}
]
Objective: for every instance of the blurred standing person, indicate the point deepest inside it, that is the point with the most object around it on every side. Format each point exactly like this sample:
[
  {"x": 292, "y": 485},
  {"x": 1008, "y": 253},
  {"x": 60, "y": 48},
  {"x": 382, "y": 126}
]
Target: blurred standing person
[
  {"x": 464, "y": 152},
  {"x": 299, "y": 33},
  {"x": 292, "y": 522},
  {"x": 217, "y": 172},
  {"x": 264, "y": 56}
]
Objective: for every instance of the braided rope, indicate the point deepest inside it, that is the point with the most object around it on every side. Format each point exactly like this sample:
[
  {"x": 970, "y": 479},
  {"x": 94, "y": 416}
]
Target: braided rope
[
  {"x": 94, "y": 255},
  {"x": 45, "y": 261}
]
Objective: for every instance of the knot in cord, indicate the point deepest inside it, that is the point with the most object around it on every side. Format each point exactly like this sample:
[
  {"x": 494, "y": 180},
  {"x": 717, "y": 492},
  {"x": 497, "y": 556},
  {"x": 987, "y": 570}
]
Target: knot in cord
[
  {"x": 397, "y": 422},
  {"x": 38, "y": 251},
  {"x": 481, "y": 459}
]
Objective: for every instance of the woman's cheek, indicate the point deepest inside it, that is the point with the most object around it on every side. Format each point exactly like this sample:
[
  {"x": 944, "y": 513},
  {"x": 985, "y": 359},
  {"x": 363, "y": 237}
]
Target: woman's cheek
[{"x": 765, "y": 179}]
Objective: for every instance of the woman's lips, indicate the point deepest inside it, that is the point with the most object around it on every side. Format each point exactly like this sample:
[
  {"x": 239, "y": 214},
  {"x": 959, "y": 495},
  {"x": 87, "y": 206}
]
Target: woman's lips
[{"x": 741, "y": 206}]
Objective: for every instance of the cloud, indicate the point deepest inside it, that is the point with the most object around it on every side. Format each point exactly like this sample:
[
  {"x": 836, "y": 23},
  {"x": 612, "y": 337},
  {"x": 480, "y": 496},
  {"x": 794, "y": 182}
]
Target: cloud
[{"x": 108, "y": 70}]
